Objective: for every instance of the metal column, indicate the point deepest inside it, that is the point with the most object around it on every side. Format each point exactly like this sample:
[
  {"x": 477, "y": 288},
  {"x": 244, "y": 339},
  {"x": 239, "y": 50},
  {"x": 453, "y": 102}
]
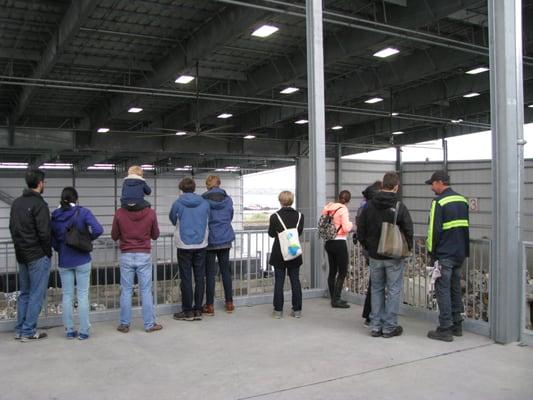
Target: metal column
[
  {"x": 317, "y": 151},
  {"x": 507, "y": 120},
  {"x": 338, "y": 169}
]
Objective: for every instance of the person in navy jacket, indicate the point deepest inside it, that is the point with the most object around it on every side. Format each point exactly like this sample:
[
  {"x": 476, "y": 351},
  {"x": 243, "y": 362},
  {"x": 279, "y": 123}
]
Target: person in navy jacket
[
  {"x": 74, "y": 263},
  {"x": 221, "y": 236}
]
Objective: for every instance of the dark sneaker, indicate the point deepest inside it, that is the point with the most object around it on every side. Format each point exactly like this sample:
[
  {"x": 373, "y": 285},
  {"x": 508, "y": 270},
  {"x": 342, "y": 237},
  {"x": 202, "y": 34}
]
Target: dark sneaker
[
  {"x": 184, "y": 316},
  {"x": 457, "y": 330},
  {"x": 376, "y": 333},
  {"x": 123, "y": 328},
  {"x": 198, "y": 315},
  {"x": 366, "y": 322},
  {"x": 153, "y": 328},
  {"x": 441, "y": 334},
  {"x": 83, "y": 336},
  {"x": 71, "y": 334},
  {"x": 340, "y": 304},
  {"x": 397, "y": 331},
  {"x": 33, "y": 338},
  {"x": 208, "y": 310}
]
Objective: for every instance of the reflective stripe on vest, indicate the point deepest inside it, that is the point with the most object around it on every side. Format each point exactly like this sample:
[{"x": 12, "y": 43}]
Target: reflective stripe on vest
[
  {"x": 451, "y": 199},
  {"x": 429, "y": 240},
  {"x": 456, "y": 223}
]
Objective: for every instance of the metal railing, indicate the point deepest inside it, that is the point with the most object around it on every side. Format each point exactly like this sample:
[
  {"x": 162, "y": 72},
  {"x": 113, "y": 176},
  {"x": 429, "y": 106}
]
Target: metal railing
[
  {"x": 249, "y": 255},
  {"x": 417, "y": 291}
]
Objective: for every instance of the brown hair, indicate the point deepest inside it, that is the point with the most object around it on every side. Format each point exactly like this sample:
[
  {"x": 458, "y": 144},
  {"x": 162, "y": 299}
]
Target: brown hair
[
  {"x": 187, "y": 185},
  {"x": 286, "y": 198},
  {"x": 135, "y": 170},
  {"x": 212, "y": 181},
  {"x": 345, "y": 196},
  {"x": 390, "y": 180}
]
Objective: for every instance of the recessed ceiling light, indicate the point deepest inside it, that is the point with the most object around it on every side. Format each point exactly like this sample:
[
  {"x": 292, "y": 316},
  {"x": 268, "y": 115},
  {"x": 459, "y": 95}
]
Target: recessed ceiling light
[
  {"x": 184, "y": 79},
  {"x": 265, "y": 31},
  {"x": 224, "y": 115},
  {"x": 103, "y": 130},
  {"x": 395, "y": 114},
  {"x": 530, "y": 106},
  {"x": 398, "y": 133},
  {"x": 477, "y": 70},
  {"x": 13, "y": 165},
  {"x": 456, "y": 121},
  {"x": 135, "y": 110},
  {"x": 301, "y": 122},
  {"x": 181, "y": 133},
  {"x": 473, "y": 94},
  {"x": 56, "y": 166},
  {"x": 249, "y": 137},
  {"x": 387, "y": 52},
  {"x": 374, "y": 100},
  {"x": 187, "y": 166},
  {"x": 337, "y": 127},
  {"x": 289, "y": 90},
  {"x": 102, "y": 167}
]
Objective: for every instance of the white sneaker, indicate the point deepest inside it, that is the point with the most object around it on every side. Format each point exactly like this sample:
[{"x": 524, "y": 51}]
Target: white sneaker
[{"x": 277, "y": 314}]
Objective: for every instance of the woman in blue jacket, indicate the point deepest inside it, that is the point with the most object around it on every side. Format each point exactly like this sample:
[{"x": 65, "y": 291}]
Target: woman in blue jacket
[
  {"x": 221, "y": 236},
  {"x": 74, "y": 263}
]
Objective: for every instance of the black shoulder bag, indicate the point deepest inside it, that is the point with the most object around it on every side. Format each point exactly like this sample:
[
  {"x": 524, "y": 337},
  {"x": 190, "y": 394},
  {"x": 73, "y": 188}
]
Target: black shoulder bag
[{"x": 80, "y": 240}]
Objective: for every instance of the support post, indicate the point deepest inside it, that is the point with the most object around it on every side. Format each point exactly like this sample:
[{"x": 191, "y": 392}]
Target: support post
[
  {"x": 399, "y": 170},
  {"x": 338, "y": 169},
  {"x": 316, "y": 117},
  {"x": 507, "y": 120},
  {"x": 444, "y": 154}
]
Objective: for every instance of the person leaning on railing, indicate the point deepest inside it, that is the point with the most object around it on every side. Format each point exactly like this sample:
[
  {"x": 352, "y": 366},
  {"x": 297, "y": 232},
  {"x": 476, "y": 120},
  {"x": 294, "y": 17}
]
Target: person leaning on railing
[{"x": 74, "y": 263}]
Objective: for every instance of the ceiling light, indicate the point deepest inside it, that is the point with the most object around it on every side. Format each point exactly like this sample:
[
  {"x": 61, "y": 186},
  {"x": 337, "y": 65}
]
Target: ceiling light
[
  {"x": 181, "y": 133},
  {"x": 301, "y": 122},
  {"x": 373, "y": 100},
  {"x": 184, "y": 79},
  {"x": 249, "y": 137},
  {"x": 13, "y": 165},
  {"x": 530, "y": 106},
  {"x": 456, "y": 121},
  {"x": 224, "y": 115},
  {"x": 102, "y": 167},
  {"x": 398, "y": 133},
  {"x": 147, "y": 167},
  {"x": 103, "y": 130},
  {"x": 336, "y": 127},
  {"x": 289, "y": 90},
  {"x": 473, "y": 94},
  {"x": 56, "y": 166},
  {"x": 265, "y": 31},
  {"x": 387, "y": 52},
  {"x": 395, "y": 114},
  {"x": 187, "y": 166},
  {"x": 477, "y": 70},
  {"x": 135, "y": 110}
]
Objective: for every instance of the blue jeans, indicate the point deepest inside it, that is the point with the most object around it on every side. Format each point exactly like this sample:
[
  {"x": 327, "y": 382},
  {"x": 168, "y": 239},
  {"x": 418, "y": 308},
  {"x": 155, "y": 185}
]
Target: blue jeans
[
  {"x": 386, "y": 277},
  {"x": 296, "y": 287},
  {"x": 82, "y": 273},
  {"x": 448, "y": 292},
  {"x": 140, "y": 264},
  {"x": 192, "y": 261},
  {"x": 211, "y": 271},
  {"x": 33, "y": 281}
]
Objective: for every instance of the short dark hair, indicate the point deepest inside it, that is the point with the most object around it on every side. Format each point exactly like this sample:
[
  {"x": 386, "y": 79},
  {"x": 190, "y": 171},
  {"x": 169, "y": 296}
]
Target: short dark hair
[
  {"x": 187, "y": 185},
  {"x": 345, "y": 196},
  {"x": 69, "y": 195},
  {"x": 390, "y": 180},
  {"x": 33, "y": 177}
]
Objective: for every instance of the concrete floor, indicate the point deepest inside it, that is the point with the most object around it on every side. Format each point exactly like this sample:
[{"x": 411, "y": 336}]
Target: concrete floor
[{"x": 328, "y": 354}]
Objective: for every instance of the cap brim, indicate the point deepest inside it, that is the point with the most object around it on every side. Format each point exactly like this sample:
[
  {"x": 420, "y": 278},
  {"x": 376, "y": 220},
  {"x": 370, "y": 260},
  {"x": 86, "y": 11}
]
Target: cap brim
[{"x": 429, "y": 182}]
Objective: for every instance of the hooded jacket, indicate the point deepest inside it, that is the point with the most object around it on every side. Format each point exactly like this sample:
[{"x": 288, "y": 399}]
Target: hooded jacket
[
  {"x": 62, "y": 218},
  {"x": 29, "y": 224},
  {"x": 190, "y": 215},
  {"x": 134, "y": 188},
  {"x": 134, "y": 229},
  {"x": 221, "y": 214},
  {"x": 341, "y": 218},
  {"x": 381, "y": 209}
]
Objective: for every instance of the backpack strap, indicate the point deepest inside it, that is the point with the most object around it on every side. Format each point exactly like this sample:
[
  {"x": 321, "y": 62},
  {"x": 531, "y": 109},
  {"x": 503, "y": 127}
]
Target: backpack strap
[
  {"x": 74, "y": 217},
  {"x": 281, "y": 222},
  {"x": 396, "y": 212}
]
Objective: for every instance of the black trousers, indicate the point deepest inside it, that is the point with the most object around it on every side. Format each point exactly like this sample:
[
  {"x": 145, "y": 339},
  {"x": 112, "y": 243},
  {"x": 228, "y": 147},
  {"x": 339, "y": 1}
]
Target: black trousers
[
  {"x": 296, "y": 287},
  {"x": 338, "y": 263}
]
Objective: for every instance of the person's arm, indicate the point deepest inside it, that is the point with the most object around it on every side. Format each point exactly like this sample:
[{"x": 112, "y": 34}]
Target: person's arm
[
  {"x": 55, "y": 242},
  {"x": 301, "y": 225},
  {"x": 147, "y": 189},
  {"x": 272, "y": 225},
  {"x": 406, "y": 226},
  {"x": 361, "y": 228},
  {"x": 41, "y": 214},
  {"x": 434, "y": 227},
  {"x": 96, "y": 228},
  {"x": 173, "y": 214},
  {"x": 154, "y": 234},
  {"x": 115, "y": 229},
  {"x": 346, "y": 224}
]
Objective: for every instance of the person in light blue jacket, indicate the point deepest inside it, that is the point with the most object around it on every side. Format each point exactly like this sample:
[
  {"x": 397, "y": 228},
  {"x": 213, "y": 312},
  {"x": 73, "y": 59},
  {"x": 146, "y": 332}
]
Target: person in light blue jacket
[
  {"x": 190, "y": 215},
  {"x": 74, "y": 263},
  {"x": 221, "y": 236}
]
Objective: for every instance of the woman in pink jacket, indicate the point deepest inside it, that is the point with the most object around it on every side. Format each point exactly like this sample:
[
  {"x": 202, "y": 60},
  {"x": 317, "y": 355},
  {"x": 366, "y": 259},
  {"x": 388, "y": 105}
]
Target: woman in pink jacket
[{"x": 337, "y": 248}]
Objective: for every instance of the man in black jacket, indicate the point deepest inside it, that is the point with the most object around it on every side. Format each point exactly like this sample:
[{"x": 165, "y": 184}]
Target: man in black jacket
[
  {"x": 386, "y": 274},
  {"x": 29, "y": 225}
]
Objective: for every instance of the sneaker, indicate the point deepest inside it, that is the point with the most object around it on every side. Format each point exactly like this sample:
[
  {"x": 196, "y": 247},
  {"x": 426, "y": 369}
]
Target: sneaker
[
  {"x": 17, "y": 336},
  {"x": 457, "y": 329},
  {"x": 71, "y": 334},
  {"x": 366, "y": 322},
  {"x": 123, "y": 328},
  {"x": 83, "y": 336},
  {"x": 229, "y": 306},
  {"x": 397, "y": 331},
  {"x": 208, "y": 310},
  {"x": 376, "y": 333},
  {"x": 441, "y": 334},
  {"x": 36, "y": 336},
  {"x": 198, "y": 315},
  {"x": 277, "y": 314},
  {"x": 340, "y": 304},
  {"x": 296, "y": 314},
  {"x": 153, "y": 328},
  {"x": 184, "y": 316}
]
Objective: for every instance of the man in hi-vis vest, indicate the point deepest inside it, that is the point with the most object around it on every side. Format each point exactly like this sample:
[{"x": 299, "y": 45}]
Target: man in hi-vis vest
[{"x": 448, "y": 244}]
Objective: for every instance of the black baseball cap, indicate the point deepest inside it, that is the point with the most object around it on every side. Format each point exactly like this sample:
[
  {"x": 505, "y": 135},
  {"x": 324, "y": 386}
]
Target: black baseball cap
[{"x": 439, "y": 176}]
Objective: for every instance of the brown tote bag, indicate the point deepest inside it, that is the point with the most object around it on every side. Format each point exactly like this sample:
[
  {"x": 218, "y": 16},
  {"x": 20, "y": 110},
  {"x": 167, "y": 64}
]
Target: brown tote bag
[{"x": 392, "y": 242}]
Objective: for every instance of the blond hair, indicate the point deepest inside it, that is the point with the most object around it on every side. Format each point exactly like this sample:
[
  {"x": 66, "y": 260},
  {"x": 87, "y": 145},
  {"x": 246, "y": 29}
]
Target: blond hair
[
  {"x": 212, "y": 181},
  {"x": 135, "y": 170},
  {"x": 286, "y": 198}
]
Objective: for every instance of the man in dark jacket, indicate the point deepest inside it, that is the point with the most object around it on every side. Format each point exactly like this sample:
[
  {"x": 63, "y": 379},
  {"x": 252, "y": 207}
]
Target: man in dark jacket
[
  {"x": 448, "y": 243},
  {"x": 29, "y": 225},
  {"x": 386, "y": 274}
]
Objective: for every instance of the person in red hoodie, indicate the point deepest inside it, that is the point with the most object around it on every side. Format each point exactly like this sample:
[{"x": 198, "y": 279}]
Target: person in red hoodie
[
  {"x": 134, "y": 229},
  {"x": 337, "y": 248}
]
